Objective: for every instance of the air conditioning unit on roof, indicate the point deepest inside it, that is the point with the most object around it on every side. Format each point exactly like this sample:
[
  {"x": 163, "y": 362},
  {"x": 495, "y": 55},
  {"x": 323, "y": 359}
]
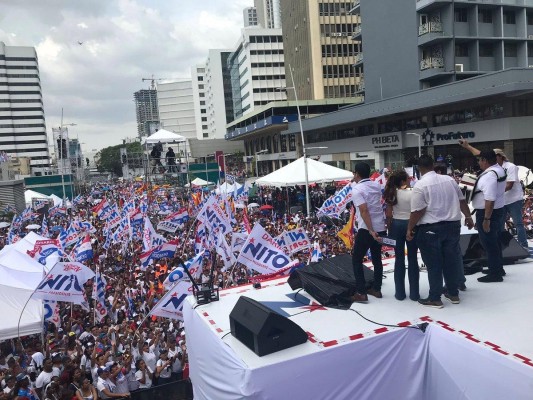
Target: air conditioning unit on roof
[{"x": 458, "y": 67}]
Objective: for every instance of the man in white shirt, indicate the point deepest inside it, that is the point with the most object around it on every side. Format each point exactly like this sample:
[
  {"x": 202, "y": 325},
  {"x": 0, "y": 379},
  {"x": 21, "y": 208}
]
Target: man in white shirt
[
  {"x": 366, "y": 197},
  {"x": 436, "y": 206},
  {"x": 488, "y": 201},
  {"x": 45, "y": 377},
  {"x": 514, "y": 194}
]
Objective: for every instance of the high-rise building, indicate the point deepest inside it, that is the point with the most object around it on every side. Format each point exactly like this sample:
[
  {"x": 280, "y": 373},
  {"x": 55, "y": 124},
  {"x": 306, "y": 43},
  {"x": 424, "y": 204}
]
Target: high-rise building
[
  {"x": 268, "y": 13},
  {"x": 146, "y": 111},
  {"x": 317, "y": 37},
  {"x": 257, "y": 70},
  {"x": 250, "y": 16},
  {"x": 212, "y": 95},
  {"x": 22, "y": 125}
]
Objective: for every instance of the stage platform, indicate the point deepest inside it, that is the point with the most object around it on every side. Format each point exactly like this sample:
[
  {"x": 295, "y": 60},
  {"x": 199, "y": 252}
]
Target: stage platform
[{"x": 480, "y": 348}]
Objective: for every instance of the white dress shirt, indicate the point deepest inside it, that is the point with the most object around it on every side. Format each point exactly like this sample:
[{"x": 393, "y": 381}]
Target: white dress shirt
[
  {"x": 369, "y": 193},
  {"x": 516, "y": 193},
  {"x": 439, "y": 195},
  {"x": 488, "y": 188}
]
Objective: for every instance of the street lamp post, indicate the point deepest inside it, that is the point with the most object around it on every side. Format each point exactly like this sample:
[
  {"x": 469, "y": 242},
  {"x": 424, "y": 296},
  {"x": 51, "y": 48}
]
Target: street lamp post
[
  {"x": 256, "y": 154},
  {"x": 419, "y": 142}
]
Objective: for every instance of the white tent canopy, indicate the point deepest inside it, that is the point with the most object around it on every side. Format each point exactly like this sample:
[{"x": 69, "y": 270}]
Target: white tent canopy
[
  {"x": 199, "y": 182},
  {"x": 57, "y": 200},
  {"x": 164, "y": 136},
  {"x": 227, "y": 188},
  {"x": 31, "y": 194},
  {"x": 294, "y": 174}
]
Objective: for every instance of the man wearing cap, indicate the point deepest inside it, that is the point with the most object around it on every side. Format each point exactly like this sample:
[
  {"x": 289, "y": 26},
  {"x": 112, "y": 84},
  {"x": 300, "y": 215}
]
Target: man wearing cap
[
  {"x": 488, "y": 201},
  {"x": 106, "y": 388},
  {"x": 514, "y": 195}
]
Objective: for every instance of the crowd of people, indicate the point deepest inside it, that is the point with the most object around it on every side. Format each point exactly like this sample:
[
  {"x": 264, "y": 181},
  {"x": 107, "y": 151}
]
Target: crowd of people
[{"x": 82, "y": 356}]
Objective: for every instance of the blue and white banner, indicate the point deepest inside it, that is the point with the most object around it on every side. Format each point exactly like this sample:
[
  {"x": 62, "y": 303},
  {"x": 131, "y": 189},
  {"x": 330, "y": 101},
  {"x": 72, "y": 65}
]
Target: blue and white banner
[
  {"x": 84, "y": 250},
  {"x": 166, "y": 250},
  {"x": 336, "y": 204},
  {"x": 224, "y": 251},
  {"x": 180, "y": 217},
  {"x": 151, "y": 238},
  {"x": 195, "y": 267},
  {"x": 316, "y": 255},
  {"x": 64, "y": 282},
  {"x": 171, "y": 304},
  {"x": 237, "y": 241},
  {"x": 57, "y": 211},
  {"x": 214, "y": 217},
  {"x": 262, "y": 254},
  {"x": 83, "y": 226},
  {"x": 39, "y": 203},
  {"x": 168, "y": 226},
  {"x": 297, "y": 240},
  {"x": 230, "y": 179},
  {"x": 51, "y": 312},
  {"x": 44, "y": 228},
  {"x": 45, "y": 248},
  {"x": 68, "y": 237},
  {"x": 99, "y": 296}
]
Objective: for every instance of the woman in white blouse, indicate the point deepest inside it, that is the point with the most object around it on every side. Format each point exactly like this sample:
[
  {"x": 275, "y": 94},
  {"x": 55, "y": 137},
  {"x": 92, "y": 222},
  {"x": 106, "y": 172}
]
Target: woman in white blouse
[{"x": 397, "y": 197}]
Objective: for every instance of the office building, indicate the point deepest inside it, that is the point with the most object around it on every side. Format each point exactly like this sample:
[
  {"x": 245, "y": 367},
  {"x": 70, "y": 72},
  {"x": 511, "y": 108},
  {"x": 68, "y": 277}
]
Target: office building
[
  {"x": 317, "y": 38},
  {"x": 257, "y": 70},
  {"x": 22, "y": 121},
  {"x": 268, "y": 13},
  {"x": 250, "y": 16},
  {"x": 146, "y": 111}
]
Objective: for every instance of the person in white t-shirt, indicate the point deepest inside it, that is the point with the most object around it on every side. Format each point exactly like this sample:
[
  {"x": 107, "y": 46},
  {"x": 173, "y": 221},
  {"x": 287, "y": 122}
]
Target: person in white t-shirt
[
  {"x": 144, "y": 375},
  {"x": 45, "y": 377},
  {"x": 366, "y": 197},
  {"x": 163, "y": 368}
]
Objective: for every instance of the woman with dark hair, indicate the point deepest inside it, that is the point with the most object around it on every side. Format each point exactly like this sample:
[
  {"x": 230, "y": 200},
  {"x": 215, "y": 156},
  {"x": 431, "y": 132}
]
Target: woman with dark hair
[{"x": 397, "y": 196}]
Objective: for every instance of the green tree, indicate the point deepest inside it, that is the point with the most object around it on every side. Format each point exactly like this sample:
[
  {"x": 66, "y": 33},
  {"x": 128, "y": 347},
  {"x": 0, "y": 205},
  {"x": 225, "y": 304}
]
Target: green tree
[{"x": 108, "y": 159}]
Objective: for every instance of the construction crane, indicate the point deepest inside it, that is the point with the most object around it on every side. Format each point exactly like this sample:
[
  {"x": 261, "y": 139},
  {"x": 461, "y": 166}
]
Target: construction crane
[{"x": 152, "y": 80}]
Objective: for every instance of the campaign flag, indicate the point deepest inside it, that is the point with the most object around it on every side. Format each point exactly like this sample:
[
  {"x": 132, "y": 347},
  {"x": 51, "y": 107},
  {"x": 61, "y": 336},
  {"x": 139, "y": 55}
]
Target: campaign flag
[
  {"x": 27, "y": 214},
  {"x": 297, "y": 240},
  {"x": 346, "y": 233},
  {"x": 84, "y": 250},
  {"x": 9, "y": 209},
  {"x": 245, "y": 220},
  {"x": 51, "y": 312},
  {"x": 77, "y": 200},
  {"x": 84, "y": 226},
  {"x": 280, "y": 240},
  {"x": 44, "y": 228},
  {"x": 102, "y": 209},
  {"x": 39, "y": 203},
  {"x": 11, "y": 235},
  {"x": 57, "y": 211},
  {"x": 42, "y": 249},
  {"x": 168, "y": 226},
  {"x": 128, "y": 208},
  {"x": 316, "y": 254},
  {"x": 240, "y": 194},
  {"x": 194, "y": 265},
  {"x": 171, "y": 304},
  {"x": 200, "y": 239},
  {"x": 336, "y": 204},
  {"x": 214, "y": 217},
  {"x": 166, "y": 250},
  {"x": 230, "y": 179},
  {"x": 143, "y": 206},
  {"x": 180, "y": 217},
  {"x": 151, "y": 238},
  {"x": 261, "y": 253},
  {"x": 224, "y": 250},
  {"x": 68, "y": 237},
  {"x": 99, "y": 296},
  {"x": 113, "y": 219},
  {"x": 237, "y": 241},
  {"x": 64, "y": 282}
]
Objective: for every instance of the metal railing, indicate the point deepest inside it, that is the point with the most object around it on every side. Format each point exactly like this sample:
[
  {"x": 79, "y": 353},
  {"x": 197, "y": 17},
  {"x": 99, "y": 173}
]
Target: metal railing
[
  {"x": 358, "y": 58},
  {"x": 431, "y": 62},
  {"x": 430, "y": 27}
]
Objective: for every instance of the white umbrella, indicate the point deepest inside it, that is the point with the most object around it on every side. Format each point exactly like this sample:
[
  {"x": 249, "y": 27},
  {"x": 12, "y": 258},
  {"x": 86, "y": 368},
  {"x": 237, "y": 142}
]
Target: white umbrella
[
  {"x": 33, "y": 226},
  {"x": 4, "y": 224},
  {"x": 239, "y": 205},
  {"x": 252, "y": 205}
]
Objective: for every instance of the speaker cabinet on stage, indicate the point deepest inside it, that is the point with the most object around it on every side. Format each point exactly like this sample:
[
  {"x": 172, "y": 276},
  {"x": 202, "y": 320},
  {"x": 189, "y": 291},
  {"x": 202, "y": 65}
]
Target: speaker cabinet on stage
[{"x": 262, "y": 330}]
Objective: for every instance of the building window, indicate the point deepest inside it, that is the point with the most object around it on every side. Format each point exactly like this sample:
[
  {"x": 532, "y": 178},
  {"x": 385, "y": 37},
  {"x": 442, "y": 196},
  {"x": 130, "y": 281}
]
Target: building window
[
  {"x": 204, "y": 127},
  {"x": 530, "y": 18},
  {"x": 509, "y": 50},
  {"x": 204, "y": 119},
  {"x": 485, "y": 16},
  {"x": 461, "y": 50},
  {"x": 200, "y": 87},
  {"x": 202, "y": 102},
  {"x": 202, "y": 94},
  {"x": 283, "y": 143},
  {"x": 203, "y": 111},
  {"x": 292, "y": 143},
  {"x": 486, "y": 50},
  {"x": 461, "y": 15},
  {"x": 200, "y": 78},
  {"x": 509, "y": 17},
  {"x": 206, "y": 134}
]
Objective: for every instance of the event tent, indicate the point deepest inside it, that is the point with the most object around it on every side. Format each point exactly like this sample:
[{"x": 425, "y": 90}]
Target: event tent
[
  {"x": 57, "y": 200},
  {"x": 199, "y": 182},
  {"x": 19, "y": 276},
  {"x": 31, "y": 194},
  {"x": 227, "y": 188},
  {"x": 164, "y": 136},
  {"x": 294, "y": 174}
]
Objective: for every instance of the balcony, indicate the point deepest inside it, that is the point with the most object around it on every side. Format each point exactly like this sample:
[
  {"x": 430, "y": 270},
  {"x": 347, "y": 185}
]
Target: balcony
[
  {"x": 428, "y": 5},
  {"x": 358, "y": 59},
  {"x": 355, "y": 7},
  {"x": 429, "y": 27},
  {"x": 431, "y": 62},
  {"x": 360, "y": 87},
  {"x": 356, "y": 32}
]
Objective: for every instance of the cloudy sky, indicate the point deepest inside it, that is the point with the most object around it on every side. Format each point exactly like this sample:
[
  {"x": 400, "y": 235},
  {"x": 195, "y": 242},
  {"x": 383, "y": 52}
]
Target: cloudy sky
[{"x": 123, "y": 41}]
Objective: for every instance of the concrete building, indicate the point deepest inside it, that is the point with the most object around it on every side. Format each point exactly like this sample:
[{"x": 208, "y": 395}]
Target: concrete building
[
  {"x": 317, "y": 38},
  {"x": 268, "y": 13},
  {"x": 176, "y": 107},
  {"x": 146, "y": 111},
  {"x": 249, "y": 15},
  {"x": 257, "y": 70},
  {"x": 22, "y": 122},
  {"x": 212, "y": 95}
]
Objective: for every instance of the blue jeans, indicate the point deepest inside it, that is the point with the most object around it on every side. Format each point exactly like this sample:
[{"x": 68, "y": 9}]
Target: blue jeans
[
  {"x": 362, "y": 243},
  {"x": 440, "y": 250},
  {"x": 491, "y": 240},
  {"x": 398, "y": 231},
  {"x": 515, "y": 211}
]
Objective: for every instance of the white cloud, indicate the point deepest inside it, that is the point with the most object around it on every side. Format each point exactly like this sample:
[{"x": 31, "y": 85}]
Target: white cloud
[{"x": 123, "y": 41}]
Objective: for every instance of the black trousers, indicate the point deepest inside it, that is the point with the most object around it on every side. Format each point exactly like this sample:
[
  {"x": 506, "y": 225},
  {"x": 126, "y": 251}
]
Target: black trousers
[{"x": 362, "y": 243}]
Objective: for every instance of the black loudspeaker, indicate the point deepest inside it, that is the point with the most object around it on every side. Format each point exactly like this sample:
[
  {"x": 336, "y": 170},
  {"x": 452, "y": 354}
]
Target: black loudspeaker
[
  {"x": 473, "y": 251},
  {"x": 262, "y": 330}
]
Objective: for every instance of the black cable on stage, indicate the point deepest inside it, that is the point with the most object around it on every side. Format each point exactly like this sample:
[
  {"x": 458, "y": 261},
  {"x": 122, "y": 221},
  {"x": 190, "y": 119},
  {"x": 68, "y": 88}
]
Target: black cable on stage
[
  {"x": 226, "y": 334},
  {"x": 387, "y": 325}
]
